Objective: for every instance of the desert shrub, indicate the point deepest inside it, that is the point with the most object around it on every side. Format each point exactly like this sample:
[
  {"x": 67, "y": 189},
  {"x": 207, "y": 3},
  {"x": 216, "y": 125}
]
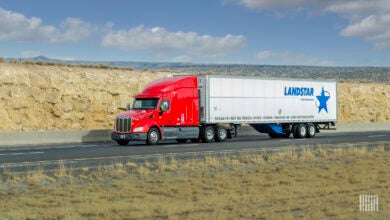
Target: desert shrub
[
  {"x": 103, "y": 66},
  {"x": 40, "y": 62},
  {"x": 28, "y": 61},
  {"x": 14, "y": 61}
]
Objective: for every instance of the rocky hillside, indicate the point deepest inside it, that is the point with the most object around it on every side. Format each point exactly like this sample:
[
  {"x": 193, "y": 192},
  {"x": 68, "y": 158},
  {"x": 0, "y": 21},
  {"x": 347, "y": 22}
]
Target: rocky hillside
[{"x": 57, "y": 97}]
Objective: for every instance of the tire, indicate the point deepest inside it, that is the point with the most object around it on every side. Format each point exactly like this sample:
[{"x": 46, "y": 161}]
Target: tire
[
  {"x": 122, "y": 142},
  {"x": 208, "y": 134},
  {"x": 300, "y": 131},
  {"x": 220, "y": 134},
  {"x": 311, "y": 130},
  {"x": 153, "y": 136},
  {"x": 181, "y": 140}
]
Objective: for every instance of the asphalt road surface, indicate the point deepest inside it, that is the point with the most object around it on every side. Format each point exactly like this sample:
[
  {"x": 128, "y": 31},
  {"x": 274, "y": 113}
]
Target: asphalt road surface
[{"x": 48, "y": 157}]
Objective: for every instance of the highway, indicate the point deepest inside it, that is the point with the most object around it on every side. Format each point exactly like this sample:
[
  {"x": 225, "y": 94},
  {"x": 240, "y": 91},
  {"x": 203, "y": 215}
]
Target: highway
[{"x": 92, "y": 155}]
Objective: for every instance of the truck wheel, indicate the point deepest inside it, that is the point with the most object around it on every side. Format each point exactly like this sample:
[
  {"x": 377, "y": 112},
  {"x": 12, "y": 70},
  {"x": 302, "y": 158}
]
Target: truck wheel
[
  {"x": 208, "y": 134},
  {"x": 153, "y": 136},
  {"x": 220, "y": 134},
  {"x": 300, "y": 131},
  {"x": 311, "y": 130},
  {"x": 122, "y": 142}
]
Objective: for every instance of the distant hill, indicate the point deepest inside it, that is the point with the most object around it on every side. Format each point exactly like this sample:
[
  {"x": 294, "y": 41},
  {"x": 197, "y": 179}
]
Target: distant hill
[
  {"x": 361, "y": 74},
  {"x": 43, "y": 58}
]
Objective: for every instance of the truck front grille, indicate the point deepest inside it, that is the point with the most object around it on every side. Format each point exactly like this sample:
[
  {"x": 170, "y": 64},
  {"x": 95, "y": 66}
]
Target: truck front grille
[{"x": 123, "y": 124}]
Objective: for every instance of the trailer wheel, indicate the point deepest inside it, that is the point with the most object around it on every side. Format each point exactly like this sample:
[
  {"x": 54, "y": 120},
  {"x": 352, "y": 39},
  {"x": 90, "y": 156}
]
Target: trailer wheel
[
  {"x": 220, "y": 134},
  {"x": 300, "y": 131},
  {"x": 208, "y": 134},
  {"x": 311, "y": 130},
  {"x": 153, "y": 136},
  {"x": 122, "y": 142}
]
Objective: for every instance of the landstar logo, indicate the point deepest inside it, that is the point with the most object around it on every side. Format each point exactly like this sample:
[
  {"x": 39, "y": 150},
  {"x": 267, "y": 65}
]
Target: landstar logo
[
  {"x": 323, "y": 99},
  {"x": 298, "y": 91}
]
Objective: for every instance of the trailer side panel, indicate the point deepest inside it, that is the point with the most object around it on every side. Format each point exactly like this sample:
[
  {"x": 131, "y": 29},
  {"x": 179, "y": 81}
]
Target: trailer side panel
[{"x": 257, "y": 100}]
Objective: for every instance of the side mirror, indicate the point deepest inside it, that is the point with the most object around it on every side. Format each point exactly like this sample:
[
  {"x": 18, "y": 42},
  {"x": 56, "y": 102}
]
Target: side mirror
[
  {"x": 164, "y": 106},
  {"x": 128, "y": 106}
]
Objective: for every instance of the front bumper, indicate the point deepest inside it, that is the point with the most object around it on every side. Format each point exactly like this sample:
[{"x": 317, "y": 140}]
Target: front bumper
[{"x": 129, "y": 137}]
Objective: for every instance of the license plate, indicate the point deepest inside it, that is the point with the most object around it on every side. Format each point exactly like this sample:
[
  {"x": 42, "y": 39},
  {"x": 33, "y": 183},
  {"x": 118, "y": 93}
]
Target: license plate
[{"x": 123, "y": 136}]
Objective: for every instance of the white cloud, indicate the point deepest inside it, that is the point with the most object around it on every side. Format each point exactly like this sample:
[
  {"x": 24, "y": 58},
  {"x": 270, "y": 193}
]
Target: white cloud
[
  {"x": 375, "y": 29},
  {"x": 369, "y": 20},
  {"x": 338, "y": 6},
  {"x": 357, "y": 7},
  {"x": 16, "y": 27},
  {"x": 75, "y": 29},
  {"x": 159, "y": 40},
  {"x": 288, "y": 58}
]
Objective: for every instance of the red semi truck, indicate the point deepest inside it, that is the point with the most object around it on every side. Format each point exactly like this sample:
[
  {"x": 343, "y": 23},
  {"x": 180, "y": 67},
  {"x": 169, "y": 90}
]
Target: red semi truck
[{"x": 212, "y": 108}]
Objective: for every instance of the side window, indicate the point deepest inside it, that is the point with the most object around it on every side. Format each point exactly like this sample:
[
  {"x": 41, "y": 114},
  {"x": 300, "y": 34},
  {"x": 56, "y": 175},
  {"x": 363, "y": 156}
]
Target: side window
[{"x": 164, "y": 105}]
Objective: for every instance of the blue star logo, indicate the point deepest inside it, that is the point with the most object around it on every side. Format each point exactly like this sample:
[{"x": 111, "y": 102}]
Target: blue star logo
[{"x": 323, "y": 99}]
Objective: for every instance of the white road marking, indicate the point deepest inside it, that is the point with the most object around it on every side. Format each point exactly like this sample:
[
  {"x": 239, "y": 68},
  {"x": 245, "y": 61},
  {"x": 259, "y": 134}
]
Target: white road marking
[
  {"x": 378, "y": 135},
  {"x": 31, "y": 164},
  {"x": 16, "y": 154},
  {"x": 50, "y": 147}
]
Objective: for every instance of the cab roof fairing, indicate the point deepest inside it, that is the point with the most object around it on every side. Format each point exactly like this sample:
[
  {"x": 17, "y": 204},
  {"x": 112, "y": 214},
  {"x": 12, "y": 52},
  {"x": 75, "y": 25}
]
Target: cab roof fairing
[{"x": 165, "y": 85}]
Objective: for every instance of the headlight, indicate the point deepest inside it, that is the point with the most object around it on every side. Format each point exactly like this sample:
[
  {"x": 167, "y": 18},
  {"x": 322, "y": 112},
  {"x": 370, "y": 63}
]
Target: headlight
[{"x": 138, "y": 129}]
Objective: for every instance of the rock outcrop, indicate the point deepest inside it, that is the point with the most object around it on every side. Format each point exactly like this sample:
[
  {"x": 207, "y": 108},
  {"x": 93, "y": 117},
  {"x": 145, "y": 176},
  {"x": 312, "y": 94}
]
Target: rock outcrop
[
  {"x": 57, "y": 97},
  {"x": 42, "y": 97}
]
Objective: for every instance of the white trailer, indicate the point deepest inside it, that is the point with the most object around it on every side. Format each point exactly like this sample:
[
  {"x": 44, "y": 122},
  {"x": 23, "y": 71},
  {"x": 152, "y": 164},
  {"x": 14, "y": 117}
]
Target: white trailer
[{"x": 279, "y": 107}]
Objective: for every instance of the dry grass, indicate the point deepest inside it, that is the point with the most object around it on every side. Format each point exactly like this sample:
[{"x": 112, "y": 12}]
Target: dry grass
[{"x": 309, "y": 184}]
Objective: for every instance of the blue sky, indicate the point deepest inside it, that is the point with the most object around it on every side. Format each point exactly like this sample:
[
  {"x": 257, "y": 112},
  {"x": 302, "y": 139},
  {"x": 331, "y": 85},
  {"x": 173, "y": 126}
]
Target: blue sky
[{"x": 278, "y": 32}]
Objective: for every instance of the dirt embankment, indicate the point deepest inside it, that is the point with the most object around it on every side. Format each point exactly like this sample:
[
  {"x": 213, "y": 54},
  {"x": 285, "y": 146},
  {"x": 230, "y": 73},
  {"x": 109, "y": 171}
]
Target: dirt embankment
[{"x": 42, "y": 97}]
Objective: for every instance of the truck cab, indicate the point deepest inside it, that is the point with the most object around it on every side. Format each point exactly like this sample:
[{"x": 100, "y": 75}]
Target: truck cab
[
  {"x": 212, "y": 108},
  {"x": 166, "y": 109}
]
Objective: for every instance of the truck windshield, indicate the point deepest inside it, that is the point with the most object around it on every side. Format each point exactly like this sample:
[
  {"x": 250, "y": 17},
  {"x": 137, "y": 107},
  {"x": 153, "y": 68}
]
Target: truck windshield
[{"x": 145, "y": 104}]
